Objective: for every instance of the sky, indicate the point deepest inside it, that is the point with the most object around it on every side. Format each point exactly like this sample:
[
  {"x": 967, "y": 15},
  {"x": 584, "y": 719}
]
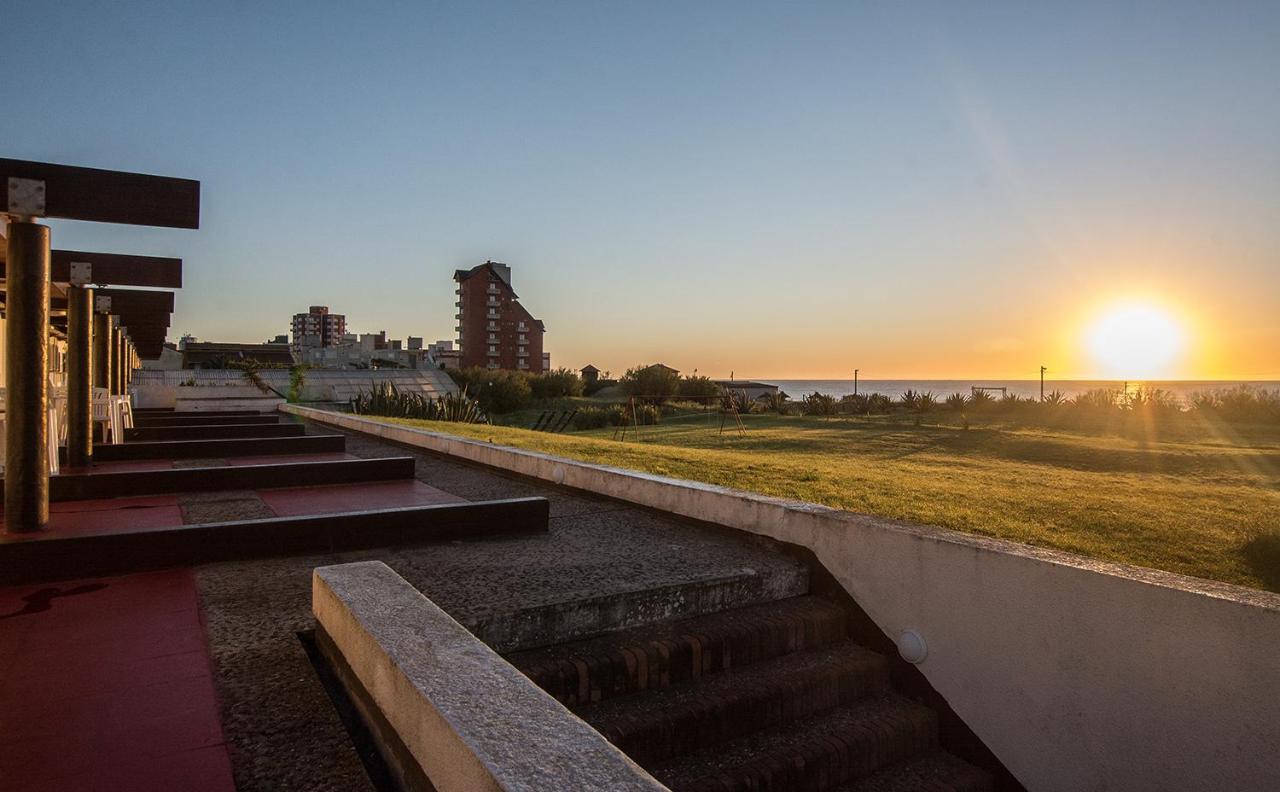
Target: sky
[{"x": 773, "y": 189}]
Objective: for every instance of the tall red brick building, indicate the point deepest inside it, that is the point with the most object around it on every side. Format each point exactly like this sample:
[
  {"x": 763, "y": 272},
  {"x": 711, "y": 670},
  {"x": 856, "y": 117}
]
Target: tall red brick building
[{"x": 494, "y": 329}]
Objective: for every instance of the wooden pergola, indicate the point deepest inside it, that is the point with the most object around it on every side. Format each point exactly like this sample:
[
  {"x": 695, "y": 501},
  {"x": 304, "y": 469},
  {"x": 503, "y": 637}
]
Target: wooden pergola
[{"x": 107, "y": 330}]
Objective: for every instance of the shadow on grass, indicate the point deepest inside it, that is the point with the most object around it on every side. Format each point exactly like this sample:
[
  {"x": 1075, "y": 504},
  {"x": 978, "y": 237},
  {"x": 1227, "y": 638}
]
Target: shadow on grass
[{"x": 1263, "y": 557}]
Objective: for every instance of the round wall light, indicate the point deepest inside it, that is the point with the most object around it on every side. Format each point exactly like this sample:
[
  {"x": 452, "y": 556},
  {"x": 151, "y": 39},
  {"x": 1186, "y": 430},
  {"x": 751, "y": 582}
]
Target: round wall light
[{"x": 912, "y": 647}]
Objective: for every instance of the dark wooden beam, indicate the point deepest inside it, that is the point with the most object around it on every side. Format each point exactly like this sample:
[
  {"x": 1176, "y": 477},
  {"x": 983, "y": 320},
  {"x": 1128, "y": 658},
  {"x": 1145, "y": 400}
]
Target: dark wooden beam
[
  {"x": 125, "y": 301},
  {"x": 113, "y": 269},
  {"x": 104, "y": 196}
]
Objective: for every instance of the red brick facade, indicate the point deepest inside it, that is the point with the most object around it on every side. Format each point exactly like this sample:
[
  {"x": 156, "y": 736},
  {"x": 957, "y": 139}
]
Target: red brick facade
[{"x": 494, "y": 329}]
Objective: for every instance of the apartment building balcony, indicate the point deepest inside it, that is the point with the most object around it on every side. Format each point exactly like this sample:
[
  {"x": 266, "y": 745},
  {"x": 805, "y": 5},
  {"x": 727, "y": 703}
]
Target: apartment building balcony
[
  {"x": 458, "y": 315},
  {"x": 493, "y": 288},
  {"x": 522, "y": 353}
]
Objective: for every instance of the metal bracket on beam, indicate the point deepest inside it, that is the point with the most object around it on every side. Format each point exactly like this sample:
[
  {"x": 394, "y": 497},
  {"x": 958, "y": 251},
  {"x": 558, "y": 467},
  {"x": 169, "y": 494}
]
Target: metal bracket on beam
[
  {"x": 81, "y": 273},
  {"x": 26, "y": 197},
  {"x": 102, "y": 304}
]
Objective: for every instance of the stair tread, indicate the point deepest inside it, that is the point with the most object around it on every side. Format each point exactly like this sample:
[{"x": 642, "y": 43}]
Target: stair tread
[
  {"x": 746, "y": 616},
  {"x": 871, "y": 734},
  {"x": 936, "y": 772},
  {"x": 778, "y": 672}
]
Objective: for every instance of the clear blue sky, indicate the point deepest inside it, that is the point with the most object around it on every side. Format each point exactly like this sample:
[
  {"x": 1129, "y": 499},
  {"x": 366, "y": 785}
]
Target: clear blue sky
[{"x": 777, "y": 189}]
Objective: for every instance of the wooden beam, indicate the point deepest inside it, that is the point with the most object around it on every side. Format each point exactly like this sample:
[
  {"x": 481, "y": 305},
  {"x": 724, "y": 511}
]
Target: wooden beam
[
  {"x": 113, "y": 269},
  {"x": 125, "y": 301},
  {"x": 46, "y": 190}
]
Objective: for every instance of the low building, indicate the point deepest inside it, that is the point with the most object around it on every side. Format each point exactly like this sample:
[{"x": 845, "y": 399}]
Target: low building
[
  {"x": 216, "y": 354},
  {"x": 756, "y": 391}
]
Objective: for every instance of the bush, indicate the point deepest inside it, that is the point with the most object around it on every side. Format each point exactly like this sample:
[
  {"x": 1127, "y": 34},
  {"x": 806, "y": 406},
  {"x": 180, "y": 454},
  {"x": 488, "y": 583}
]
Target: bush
[
  {"x": 556, "y": 384},
  {"x": 979, "y": 400},
  {"x": 597, "y": 417},
  {"x": 879, "y": 403},
  {"x": 697, "y": 388},
  {"x": 497, "y": 390},
  {"x": 655, "y": 383},
  {"x": 775, "y": 402},
  {"x": 1243, "y": 403},
  {"x": 738, "y": 400},
  {"x": 956, "y": 402},
  {"x": 855, "y": 404},
  {"x": 918, "y": 402},
  {"x": 819, "y": 404},
  {"x": 1098, "y": 399}
]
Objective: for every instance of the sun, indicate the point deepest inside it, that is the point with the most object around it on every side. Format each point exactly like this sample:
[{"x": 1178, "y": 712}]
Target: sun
[{"x": 1136, "y": 340}]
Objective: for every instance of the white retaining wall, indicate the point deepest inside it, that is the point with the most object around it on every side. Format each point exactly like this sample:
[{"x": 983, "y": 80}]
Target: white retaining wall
[
  {"x": 1078, "y": 674},
  {"x": 163, "y": 388}
]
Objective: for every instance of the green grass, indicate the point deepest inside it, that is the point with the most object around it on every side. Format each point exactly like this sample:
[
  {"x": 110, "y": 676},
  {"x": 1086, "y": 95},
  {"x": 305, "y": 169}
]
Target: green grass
[{"x": 1193, "y": 497}]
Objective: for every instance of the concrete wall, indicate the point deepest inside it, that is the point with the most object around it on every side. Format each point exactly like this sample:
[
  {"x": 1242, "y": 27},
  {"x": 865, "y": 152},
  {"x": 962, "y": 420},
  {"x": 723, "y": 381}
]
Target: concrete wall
[
  {"x": 1078, "y": 674},
  {"x": 448, "y": 698}
]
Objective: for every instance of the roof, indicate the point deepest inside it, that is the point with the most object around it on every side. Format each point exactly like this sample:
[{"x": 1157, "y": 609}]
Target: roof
[
  {"x": 743, "y": 384},
  {"x": 589, "y": 367},
  {"x": 200, "y": 351},
  {"x": 496, "y": 268}
]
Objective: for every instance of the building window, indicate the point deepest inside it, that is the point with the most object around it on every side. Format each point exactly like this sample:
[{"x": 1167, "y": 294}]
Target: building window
[
  {"x": 523, "y": 340},
  {"x": 493, "y": 350},
  {"x": 493, "y": 325}
]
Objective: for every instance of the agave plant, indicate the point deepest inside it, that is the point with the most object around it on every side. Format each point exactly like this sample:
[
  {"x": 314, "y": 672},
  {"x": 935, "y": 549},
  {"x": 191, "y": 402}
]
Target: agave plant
[
  {"x": 1056, "y": 398},
  {"x": 819, "y": 404},
  {"x": 979, "y": 399},
  {"x": 879, "y": 403},
  {"x": 387, "y": 400},
  {"x": 956, "y": 402}
]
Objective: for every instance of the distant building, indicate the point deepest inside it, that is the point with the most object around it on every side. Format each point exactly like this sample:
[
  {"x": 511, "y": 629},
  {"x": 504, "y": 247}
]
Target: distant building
[
  {"x": 443, "y": 355},
  {"x": 317, "y": 328},
  {"x": 280, "y": 339},
  {"x": 756, "y": 391},
  {"x": 494, "y": 329},
  {"x": 214, "y": 354},
  {"x": 590, "y": 374}
]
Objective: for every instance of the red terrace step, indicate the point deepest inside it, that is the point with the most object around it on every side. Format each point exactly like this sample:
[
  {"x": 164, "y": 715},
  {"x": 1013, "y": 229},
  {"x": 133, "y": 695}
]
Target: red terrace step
[
  {"x": 937, "y": 772},
  {"x": 217, "y": 449},
  {"x": 212, "y": 432},
  {"x": 199, "y": 419},
  {"x": 818, "y": 754},
  {"x": 656, "y": 656},
  {"x": 658, "y": 724}
]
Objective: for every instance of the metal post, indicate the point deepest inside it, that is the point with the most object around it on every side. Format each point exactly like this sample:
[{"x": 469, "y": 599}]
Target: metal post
[
  {"x": 26, "y": 457},
  {"x": 1042, "y": 370},
  {"x": 79, "y": 376},
  {"x": 855, "y": 382}
]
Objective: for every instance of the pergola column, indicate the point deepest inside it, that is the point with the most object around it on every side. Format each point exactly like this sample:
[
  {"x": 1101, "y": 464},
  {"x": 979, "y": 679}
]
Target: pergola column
[
  {"x": 26, "y": 472},
  {"x": 79, "y": 376},
  {"x": 102, "y": 350}
]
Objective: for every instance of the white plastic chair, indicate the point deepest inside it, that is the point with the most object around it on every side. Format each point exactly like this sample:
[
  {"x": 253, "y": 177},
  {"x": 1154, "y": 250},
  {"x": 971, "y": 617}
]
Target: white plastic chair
[
  {"x": 106, "y": 411},
  {"x": 55, "y": 432}
]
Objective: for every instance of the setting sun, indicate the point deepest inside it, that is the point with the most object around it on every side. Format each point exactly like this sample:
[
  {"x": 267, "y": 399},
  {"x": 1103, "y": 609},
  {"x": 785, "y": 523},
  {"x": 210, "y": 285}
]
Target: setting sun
[{"x": 1136, "y": 340}]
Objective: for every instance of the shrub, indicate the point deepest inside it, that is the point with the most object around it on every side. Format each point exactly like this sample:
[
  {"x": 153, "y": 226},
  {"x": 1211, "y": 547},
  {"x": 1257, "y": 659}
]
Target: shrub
[
  {"x": 819, "y": 404},
  {"x": 1241, "y": 403},
  {"x": 979, "y": 400},
  {"x": 879, "y": 403},
  {"x": 1097, "y": 399},
  {"x": 1056, "y": 399},
  {"x": 919, "y": 402},
  {"x": 596, "y": 417},
  {"x": 774, "y": 402},
  {"x": 387, "y": 400},
  {"x": 556, "y": 384},
  {"x": 697, "y": 388},
  {"x": 655, "y": 383},
  {"x": 855, "y": 404},
  {"x": 738, "y": 400},
  {"x": 497, "y": 390},
  {"x": 956, "y": 402}
]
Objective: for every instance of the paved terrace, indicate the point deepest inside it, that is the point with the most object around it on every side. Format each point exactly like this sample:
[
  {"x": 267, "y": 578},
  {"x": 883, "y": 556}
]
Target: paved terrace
[{"x": 116, "y": 671}]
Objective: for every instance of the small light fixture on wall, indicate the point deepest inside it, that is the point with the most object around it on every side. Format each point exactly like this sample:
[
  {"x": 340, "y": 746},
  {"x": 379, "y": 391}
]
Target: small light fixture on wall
[{"x": 912, "y": 647}]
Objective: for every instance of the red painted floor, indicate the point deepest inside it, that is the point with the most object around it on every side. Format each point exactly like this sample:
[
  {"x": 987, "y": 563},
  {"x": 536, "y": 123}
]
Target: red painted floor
[
  {"x": 297, "y": 501},
  {"x": 112, "y": 515},
  {"x": 105, "y": 684}
]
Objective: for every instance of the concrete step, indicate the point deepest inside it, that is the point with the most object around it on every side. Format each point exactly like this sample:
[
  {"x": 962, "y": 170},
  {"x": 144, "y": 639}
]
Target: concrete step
[
  {"x": 659, "y": 655},
  {"x": 817, "y": 754},
  {"x": 656, "y": 725},
  {"x": 153, "y": 434},
  {"x": 936, "y": 772}
]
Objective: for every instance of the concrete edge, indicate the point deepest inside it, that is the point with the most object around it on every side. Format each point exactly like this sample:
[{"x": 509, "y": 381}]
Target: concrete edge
[
  {"x": 468, "y": 718},
  {"x": 751, "y": 511}
]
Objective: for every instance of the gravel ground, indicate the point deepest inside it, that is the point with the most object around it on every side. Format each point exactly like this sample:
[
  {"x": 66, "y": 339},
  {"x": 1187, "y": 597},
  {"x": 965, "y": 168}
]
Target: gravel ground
[{"x": 284, "y": 733}]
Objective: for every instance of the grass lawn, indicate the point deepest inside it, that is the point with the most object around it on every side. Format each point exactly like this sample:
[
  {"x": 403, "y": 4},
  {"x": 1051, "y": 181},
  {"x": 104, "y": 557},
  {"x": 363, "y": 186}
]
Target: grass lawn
[{"x": 1194, "y": 498}]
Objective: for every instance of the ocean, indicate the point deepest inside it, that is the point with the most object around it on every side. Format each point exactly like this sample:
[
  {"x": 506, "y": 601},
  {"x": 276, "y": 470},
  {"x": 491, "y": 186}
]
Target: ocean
[{"x": 1183, "y": 389}]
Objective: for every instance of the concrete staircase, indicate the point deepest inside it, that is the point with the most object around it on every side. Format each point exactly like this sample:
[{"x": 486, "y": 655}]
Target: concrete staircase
[{"x": 770, "y": 696}]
